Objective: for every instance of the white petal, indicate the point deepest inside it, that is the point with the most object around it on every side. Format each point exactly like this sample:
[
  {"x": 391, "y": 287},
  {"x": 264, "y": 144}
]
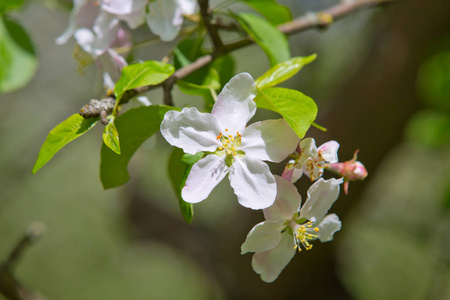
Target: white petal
[
  {"x": 327, "y": 227},
  {"x": 190, "y": 130},
  {"x": 264, "y": 236},
  {"x": 71, "y": 27},
  {"x": 187, "y": 7},
  {"x": 287, "y": 201},
  {"x": 271, "y": 140},
  {"x": 309, "y": 149},
  {"x": 235, "y": 106},
  {"x": 297, "y": 174},
  {"x": 321, "y": 195},
  {"x": 253, "y": 183},
  {"x": 123, "y": 7},
  {"x": 164, "y": 19},
  {"x": 144, "y": 100},
  {"x": 203, "y": 178},
  {"x": 269, "y": 264},
  {"x": 329, "y": 150}
]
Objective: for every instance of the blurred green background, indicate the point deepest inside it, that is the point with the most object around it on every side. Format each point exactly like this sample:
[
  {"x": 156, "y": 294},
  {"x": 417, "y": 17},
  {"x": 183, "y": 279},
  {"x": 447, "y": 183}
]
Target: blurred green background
[{"x": 382, "y": 84}]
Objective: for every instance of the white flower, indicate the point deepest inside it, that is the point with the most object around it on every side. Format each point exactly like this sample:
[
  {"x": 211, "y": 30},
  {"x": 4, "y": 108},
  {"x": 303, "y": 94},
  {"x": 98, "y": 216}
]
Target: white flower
[
  {"x": 287, "y": 227},
  {"x": 165, "y": 17},
  {"x": 236, "y": 150},
  {"x": 311, "y": 159}
]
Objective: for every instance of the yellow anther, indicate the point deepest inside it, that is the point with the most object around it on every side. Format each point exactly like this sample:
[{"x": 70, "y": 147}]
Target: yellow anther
[
  {"x": 233, "y": 149},
  {"x": 228, "y": 152},
  {"x": 316, "y": 229},
  {"x": 230, "y": 136},
  {"x": 220, "y": 148}
]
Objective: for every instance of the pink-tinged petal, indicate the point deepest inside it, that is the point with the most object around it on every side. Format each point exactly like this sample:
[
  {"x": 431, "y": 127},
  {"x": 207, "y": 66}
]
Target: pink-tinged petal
[
  {"x": 329, "y": 150},
  {"x": 190, "y": 130},
  {"x": 287, "y": 201},
  {"x": 203, "y": 178},
  {"x": 269, "y": 264},
  {"x": 253, "y": 183},
  {"x": 235, "y": 106},
  {"x": 327, "y": 227},
  {"x": 309, "y": 149},
  {"x": 321, "y": 196},
  {"x": 297, "y": 174},
  {"x": 271, "y": 140},
  {"x": 264, "y": 236}
]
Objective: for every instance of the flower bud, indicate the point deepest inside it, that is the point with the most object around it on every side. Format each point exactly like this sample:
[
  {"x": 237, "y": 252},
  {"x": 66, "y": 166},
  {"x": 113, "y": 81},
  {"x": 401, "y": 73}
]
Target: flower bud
[{"x": 351, "y": 170}]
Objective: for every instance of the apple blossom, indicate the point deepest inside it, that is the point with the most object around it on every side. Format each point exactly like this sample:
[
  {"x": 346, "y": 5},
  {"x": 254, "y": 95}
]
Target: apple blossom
[
  {"x": 289, "y": 227},
  {"x": 310, "y": 160},
  {"x": 233, "y": 149}
]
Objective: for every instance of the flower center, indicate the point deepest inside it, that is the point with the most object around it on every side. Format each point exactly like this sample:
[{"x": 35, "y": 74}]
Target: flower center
[
  {"x": 314, "y": 166},
  {"x": 230, "y": 146},
  {"x": 303, "y": 233}
]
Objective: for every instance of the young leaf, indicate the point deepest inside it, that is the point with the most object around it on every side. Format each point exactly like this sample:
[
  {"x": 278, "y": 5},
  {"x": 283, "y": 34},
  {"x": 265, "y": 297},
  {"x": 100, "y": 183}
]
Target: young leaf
[
  {"x": 270, "y": 9},
  {"x": 179, "y": 167},
  {"x": 267, "y": 36},
  {"x": 283, "y": 71},
  {"x": 297, "y": 109},
  {"x": 133, "y": 127},
  {"x": 18, "y": 62},
  {"x": 111, "y": 137},
  {"x": 61, "y": 135},
  {"x": 142, "y": 74}
]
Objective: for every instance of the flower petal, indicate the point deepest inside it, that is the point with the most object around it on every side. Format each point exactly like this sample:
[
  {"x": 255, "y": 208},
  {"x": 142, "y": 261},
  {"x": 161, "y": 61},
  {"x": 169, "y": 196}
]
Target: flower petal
[
  {"x": 329, "y": 150},
  {"x": 253, "y": 183},
  {"x": 297, "y": 174},
  {"x": 164, "y": 19},
  {"x": 269, "y": 264},
  {"x": 264, "y": 236},
  {"x": 321, "y": 195},
  {"x": 235, "y": 106},
  {"x": 203, "y": 178},
  {"x": 123, "y": 7},
  {"x": 309, "y": 149},
  {"x": 190, "y": 130},
  {"x": 287, "y": 202},
  {"x": 187, "y": 7},
  {"x": 327, "y": 227},
  {"x": 271, "y": 140}
]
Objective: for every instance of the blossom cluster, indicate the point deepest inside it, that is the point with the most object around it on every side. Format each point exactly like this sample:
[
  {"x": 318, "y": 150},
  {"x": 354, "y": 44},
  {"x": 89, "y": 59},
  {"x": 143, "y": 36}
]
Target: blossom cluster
[
  {"x": 98, "y": 27},
  {"x": 238, "y": 151}
]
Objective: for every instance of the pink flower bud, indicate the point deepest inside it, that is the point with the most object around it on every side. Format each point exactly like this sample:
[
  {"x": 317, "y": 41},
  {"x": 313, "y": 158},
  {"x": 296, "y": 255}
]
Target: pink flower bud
[{"x": 351, "y": 170}]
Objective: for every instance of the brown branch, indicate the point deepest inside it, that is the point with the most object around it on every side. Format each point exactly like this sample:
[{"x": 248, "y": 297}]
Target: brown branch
[
  {"x": 205, "y": 12},
  {"x": 10, "y": 287},
  {"x": 309, "y": 21}
]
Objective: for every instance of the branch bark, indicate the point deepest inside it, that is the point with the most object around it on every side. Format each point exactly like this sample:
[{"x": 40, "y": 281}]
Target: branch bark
[{"x": 311, "y": 20}]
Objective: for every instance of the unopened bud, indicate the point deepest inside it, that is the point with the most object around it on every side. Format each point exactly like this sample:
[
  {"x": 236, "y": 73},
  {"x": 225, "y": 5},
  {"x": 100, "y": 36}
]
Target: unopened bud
[{"x": 351, "y": 170}]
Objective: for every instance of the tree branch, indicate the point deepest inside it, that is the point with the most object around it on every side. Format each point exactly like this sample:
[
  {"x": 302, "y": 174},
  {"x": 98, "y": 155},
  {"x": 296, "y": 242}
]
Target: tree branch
[
  {"x": 205, "y": 12},
  {"x": 309, "y": 21}
]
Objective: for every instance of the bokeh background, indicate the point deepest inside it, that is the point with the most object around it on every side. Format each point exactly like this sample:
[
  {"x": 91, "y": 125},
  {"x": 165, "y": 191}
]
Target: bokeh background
[{"x": 382, "y": 84}]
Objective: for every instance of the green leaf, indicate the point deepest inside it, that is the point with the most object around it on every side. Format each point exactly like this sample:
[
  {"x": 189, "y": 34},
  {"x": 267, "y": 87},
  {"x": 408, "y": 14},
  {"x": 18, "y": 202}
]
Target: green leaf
[
  {"x": 179, "y": 167},
  {"x": 134, "y": 127},
  {"x": 283, "y": 71},
  {"x": 61, "y": 135},
  {"x": 18, "y": 62},
  {"x": 270, "y": 9},
  {"x": 111, "y": 137},
  {"x": 297, "y": 109},
  {"x": 430, "y": 128},
  {"x": 7, "y": 5},
  {"x": 142, "y": 74},
  {"x": 224, "y": 66},
  {"x": 267, "y": 36}
]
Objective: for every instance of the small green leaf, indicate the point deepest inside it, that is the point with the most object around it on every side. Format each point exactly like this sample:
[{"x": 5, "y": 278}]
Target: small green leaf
[
  {"x": 297, "y": 109},
  {"x": 18, "y": 62},
  {"x": 134, "y": 127},
  {"x": 111, "y": 137},
  {"x": 7, "y": 5},
  {"x": 142, "y": 74},
  {"x": 179, "y": 167},
  {"x": 61, "y": 135},
  {"x": 283, "y": 71},
  {"x": 267, "y": 36},
  {"x": 270, "y": 9}
]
